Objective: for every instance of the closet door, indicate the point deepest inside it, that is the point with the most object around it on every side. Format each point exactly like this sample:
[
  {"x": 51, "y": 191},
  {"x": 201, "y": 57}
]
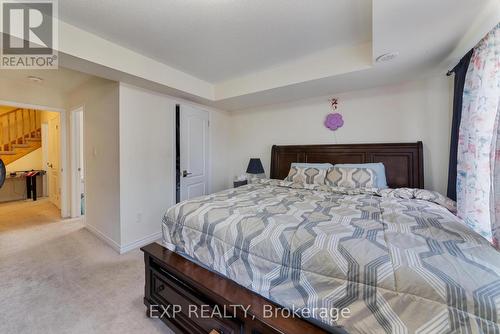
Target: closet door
[{"x": 193, "y": 152}]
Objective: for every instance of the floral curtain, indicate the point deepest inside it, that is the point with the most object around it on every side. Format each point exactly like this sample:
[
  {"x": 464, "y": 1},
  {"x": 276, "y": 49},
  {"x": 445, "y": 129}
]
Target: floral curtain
[{"x": 478, "y": 170}]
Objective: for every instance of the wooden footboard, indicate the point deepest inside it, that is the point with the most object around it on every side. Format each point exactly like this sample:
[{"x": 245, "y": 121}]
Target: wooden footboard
[{"x": 191, "y": 299}]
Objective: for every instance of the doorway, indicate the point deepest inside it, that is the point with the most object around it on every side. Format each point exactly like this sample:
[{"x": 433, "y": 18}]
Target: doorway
[
  {"x": 31, "y": 148},
  {"x": 192, "y": 145}
]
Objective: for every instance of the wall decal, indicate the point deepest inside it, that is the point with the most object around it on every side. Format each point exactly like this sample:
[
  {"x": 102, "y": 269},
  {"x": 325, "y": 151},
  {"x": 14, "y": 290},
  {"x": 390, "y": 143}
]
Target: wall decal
[
  {"x": 334, "y": 120},
  {"x": 334, "y": 103}
]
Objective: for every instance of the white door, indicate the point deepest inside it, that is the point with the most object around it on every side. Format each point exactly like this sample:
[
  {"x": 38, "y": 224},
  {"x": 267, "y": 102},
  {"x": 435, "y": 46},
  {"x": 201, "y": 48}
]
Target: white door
[
  {"x": 45, "y": 157},
  {"x": 193, "y": 152},
  {"x": 53, "y": 163},
  {"x": 77, "y": 181}
]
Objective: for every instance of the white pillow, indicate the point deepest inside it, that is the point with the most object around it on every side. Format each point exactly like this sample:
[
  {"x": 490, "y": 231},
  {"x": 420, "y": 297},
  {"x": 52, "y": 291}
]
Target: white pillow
[
  {"x": 377, "y": 167},
  {"x": 349, "y": 177},
  {"x": 307, "y": 175}
]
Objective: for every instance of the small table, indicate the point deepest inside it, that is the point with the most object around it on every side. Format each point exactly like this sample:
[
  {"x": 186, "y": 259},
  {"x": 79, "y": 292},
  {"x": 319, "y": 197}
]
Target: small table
[
  {"x": 30, "y": 181},
  {"x": 237, "y": 184}
]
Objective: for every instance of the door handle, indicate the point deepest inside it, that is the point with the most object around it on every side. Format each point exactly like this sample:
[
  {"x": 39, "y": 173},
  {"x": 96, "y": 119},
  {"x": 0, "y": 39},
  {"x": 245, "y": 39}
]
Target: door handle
[{"x": 185, "y": 173}]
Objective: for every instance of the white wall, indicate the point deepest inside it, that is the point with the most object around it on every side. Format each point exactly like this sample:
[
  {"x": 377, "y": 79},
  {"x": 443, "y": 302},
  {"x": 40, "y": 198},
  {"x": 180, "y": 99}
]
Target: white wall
[
  {"x": 146, "y": 161},
  {"x": 100, "y": 100},
  {"x": 220, "y": 154},
  {"x": 419, "y": 110},
  {"x": 146, "y": 143},
  {"x": 32, "y": 160}
]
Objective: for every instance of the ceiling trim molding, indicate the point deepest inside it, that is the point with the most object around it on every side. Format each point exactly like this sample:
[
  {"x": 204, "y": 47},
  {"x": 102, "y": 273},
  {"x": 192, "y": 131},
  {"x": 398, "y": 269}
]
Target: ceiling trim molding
[{"x": 328, "y": 63}]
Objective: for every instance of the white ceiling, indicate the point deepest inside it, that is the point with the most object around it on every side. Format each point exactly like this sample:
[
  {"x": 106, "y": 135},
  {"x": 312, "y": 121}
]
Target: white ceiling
[
  {"x": 217, "y": 40},
  {"x": 61, "y": 80}
]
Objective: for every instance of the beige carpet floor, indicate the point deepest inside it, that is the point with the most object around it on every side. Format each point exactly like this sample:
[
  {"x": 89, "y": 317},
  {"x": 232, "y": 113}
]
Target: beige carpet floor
[
  {"x": 25, "y": 214},
  {"x": 56, "y": 277}
]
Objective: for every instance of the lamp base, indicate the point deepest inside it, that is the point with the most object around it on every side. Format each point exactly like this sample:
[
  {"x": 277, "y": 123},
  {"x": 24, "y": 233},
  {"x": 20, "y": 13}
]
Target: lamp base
[{"x": 256, "y": 176}]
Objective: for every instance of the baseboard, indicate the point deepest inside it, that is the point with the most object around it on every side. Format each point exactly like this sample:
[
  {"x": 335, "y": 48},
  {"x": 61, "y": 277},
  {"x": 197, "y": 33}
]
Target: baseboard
[
  {"x": 110, "y": 242},
  {"x": 121, "y": 249},
  {"x": 141, "y": 242}
]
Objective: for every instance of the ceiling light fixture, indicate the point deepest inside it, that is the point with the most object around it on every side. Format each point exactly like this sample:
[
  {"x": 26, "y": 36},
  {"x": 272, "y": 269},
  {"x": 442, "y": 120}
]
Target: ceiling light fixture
[
  {"x": 34, "y": 79},
  {"x": 387, "y": 57}
]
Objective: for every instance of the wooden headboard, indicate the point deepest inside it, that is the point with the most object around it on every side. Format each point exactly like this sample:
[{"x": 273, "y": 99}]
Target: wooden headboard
[{"x": 404, "y": 162}]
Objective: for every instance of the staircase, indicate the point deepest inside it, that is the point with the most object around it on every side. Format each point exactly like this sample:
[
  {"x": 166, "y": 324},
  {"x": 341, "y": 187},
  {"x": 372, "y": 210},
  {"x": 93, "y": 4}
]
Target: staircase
[{"x": 20, "y": 134}]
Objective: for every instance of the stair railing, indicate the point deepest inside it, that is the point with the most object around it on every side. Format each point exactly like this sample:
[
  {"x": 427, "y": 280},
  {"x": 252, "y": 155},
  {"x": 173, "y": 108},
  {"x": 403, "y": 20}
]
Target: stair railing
[{"x": 18, "y": 127}]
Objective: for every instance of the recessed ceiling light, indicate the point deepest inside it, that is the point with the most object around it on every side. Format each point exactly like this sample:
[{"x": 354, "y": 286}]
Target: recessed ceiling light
[
  {"x": 387, "y": 57},
  {"x": 34, "y": 79}
]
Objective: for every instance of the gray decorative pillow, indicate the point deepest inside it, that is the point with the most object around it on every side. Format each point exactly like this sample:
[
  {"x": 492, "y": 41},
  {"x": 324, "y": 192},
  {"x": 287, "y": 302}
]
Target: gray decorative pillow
[
  {"x": 307, "y": 175},
  {"x": 349, "y": 177}
]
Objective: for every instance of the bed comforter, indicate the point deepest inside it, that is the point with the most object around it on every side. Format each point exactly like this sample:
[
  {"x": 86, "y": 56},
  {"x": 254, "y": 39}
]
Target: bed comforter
[{"x": 398, "y": 260}]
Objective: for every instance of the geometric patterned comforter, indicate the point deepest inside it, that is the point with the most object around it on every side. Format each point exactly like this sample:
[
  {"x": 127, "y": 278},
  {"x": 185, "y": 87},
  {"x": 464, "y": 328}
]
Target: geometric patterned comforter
[{"x": 399, "y": 260}]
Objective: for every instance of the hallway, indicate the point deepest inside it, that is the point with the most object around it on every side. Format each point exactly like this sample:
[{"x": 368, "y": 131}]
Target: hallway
[{"x": 56, "y": 277}]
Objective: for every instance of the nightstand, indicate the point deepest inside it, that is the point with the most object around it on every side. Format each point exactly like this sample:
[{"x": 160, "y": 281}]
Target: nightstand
[{"x": 237, "y": 184}]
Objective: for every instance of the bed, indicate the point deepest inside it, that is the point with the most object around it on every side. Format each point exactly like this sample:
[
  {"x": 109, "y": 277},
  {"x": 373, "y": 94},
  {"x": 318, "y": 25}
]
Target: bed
[{"x": 384, "y": 260}]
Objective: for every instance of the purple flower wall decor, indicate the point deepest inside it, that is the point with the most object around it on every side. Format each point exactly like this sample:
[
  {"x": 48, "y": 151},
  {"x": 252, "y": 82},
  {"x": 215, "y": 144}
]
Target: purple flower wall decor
[{"x": 334, "y": 121}]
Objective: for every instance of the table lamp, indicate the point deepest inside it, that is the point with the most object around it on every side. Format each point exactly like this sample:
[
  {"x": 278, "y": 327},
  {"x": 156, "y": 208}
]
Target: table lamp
[{"x": 255, "y": 168}]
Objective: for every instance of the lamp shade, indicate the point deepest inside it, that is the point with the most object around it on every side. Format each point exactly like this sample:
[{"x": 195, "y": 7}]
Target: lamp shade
[{"x": 255, "y": 166}]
